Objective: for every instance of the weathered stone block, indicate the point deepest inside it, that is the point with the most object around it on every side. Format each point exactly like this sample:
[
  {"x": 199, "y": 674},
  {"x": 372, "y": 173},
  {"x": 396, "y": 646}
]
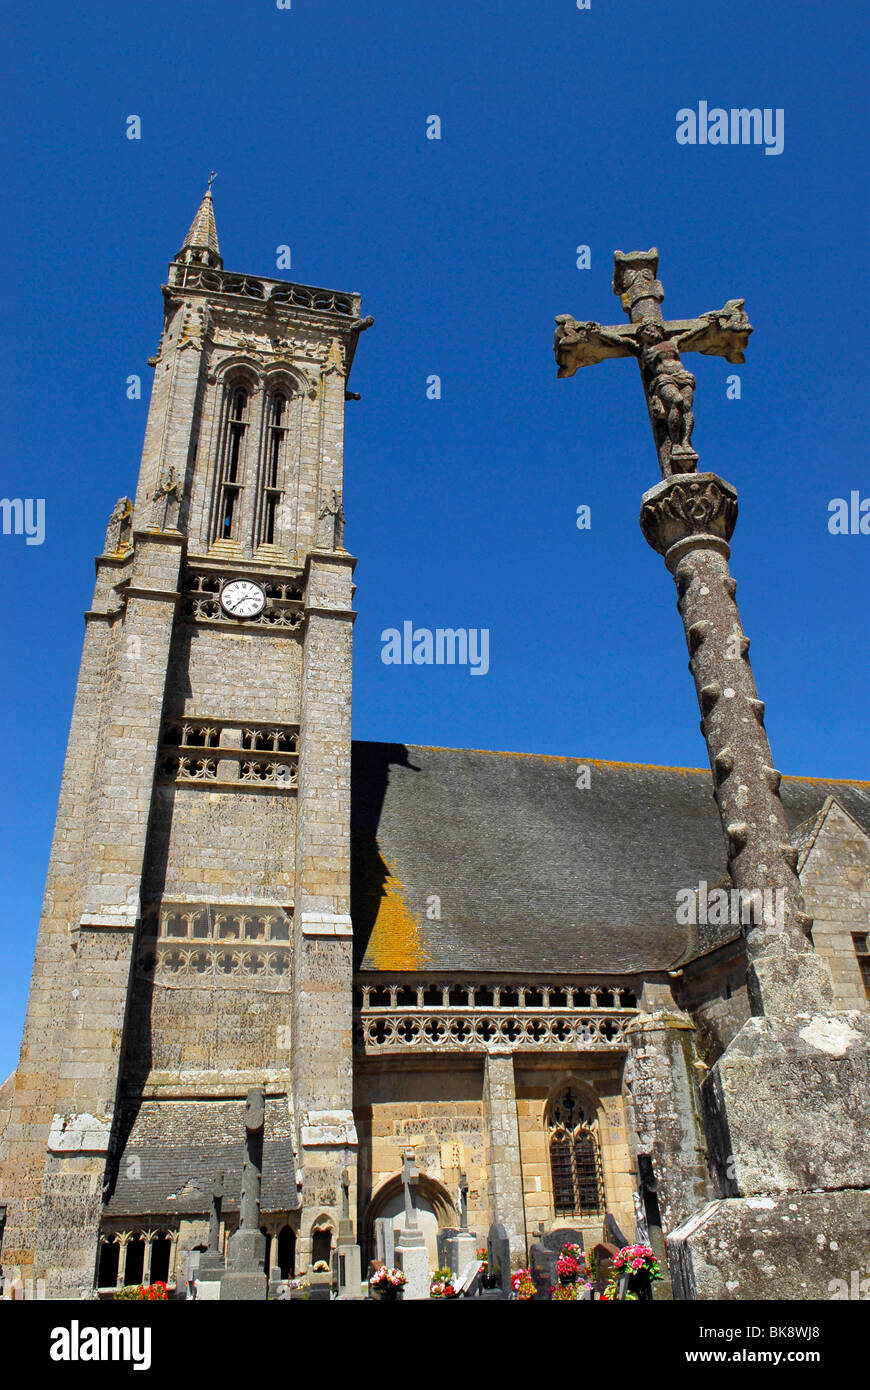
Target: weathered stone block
[
  {"x": 794, "y": 1247},
  {"x": 787, "y": 1105}
]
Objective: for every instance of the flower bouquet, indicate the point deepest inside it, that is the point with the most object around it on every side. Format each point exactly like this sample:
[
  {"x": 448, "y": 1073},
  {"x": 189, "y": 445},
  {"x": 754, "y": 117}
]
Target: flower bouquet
[
  {"x": 522, "y": 1284},
  {"x": 568, "y": 1269},
  {"x": 387, "y": 1282},
  {"x": 441, "y": 1284},
  {"x": 642, "y": 1268},
  {"x": 150, "y": 1293}
]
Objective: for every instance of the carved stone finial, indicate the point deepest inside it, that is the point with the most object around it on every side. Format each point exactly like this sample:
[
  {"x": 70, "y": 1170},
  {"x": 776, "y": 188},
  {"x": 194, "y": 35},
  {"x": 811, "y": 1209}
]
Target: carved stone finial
[
  {"x": 331, "y": 519},
  {"x": 166, "y": 500},
  {"x": 120, "y": 528}
]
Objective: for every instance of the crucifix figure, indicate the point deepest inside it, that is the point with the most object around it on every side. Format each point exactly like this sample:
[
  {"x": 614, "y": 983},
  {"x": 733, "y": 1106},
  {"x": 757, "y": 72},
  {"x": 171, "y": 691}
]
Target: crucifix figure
[
  {"x": 656, "y": 344},
  {"x": 463, "y": 1202},
  {"x": 689, "y": 518}
]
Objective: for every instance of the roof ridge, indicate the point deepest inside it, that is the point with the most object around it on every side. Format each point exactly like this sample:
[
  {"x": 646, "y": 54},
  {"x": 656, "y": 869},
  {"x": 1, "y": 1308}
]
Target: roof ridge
[{"x": 596, "y": 762}]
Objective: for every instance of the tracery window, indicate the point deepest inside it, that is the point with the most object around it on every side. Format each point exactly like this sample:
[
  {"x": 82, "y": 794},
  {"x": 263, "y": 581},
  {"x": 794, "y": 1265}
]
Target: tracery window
[
  {"x": 274, "y": 447},
  {"x": 232, "y": 463},
  {"x": 575, "y": 1157}
]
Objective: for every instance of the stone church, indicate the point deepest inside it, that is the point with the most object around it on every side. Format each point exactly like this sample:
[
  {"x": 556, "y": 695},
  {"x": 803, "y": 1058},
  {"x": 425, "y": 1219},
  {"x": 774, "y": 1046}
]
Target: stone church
[{"x": 474, "y": 955}]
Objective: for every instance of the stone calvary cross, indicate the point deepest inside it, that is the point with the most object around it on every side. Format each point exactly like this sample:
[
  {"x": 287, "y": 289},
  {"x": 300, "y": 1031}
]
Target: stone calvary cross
[
  {"x": 669, "y": 388},
  {"x": 689, "y": 518},
  {"x": 784, "y": 1107}
]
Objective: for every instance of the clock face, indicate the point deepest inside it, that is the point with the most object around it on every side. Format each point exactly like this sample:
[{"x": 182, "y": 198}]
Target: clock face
[{"x": 242, "y": 598}]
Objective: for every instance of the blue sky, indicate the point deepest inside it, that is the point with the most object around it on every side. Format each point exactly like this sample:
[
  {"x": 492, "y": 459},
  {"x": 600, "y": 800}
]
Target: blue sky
[{"x": 558, "y": 129}]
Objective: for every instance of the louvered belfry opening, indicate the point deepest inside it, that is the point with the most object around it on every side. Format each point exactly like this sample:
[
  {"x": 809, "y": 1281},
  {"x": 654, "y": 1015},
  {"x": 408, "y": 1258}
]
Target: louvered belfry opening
[{"x": 575, "y": 1158}]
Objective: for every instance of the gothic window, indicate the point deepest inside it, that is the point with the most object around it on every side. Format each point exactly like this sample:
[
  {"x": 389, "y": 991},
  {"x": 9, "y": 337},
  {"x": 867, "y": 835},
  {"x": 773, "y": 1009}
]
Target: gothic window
[
  {"x": 274, "y": 450},
  {"x": 232, "y": 463},
  {"x": 575, "y": 1157}
]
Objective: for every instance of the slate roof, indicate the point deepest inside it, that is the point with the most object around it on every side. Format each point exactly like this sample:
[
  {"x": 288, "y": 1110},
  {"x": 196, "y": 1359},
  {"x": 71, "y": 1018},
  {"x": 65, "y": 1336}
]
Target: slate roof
[
  {"x": 534, "y": 874},
  {"x": 171, "y": 1149}
]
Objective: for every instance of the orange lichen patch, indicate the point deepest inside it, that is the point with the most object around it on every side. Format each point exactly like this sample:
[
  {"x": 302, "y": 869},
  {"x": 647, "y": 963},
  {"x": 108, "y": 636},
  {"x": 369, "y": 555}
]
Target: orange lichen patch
[{"x": 396, "y": 942}]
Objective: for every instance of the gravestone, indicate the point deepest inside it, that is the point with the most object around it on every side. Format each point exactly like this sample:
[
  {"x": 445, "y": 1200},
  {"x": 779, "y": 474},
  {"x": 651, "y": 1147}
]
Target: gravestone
[
  {"x": 385, "y": 1241},
  {"x": 348, "y": 1258},
  {"x": 245, "y": 1279},
  {"x": 412, "y": 1256},
  {"x": 212, "y": 1265},
  {"x": 461, "y": 1246},
  {"x": 443, "y": 1238},
  {"x": 603, "y": 1254},
  {"x": 467, "y": 1283},
  {"x": 613, "y": 1235},
  {"x": 542, "y": 1263},
  {"x": 562, "y": 1235},
  {"x": 498, "y": 1263}
]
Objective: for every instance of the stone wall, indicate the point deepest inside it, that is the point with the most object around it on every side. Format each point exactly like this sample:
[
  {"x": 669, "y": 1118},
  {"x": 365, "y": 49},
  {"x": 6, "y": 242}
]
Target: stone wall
[
  {"x": 835, "y": 874},
  {"x": 454, "y": 1117},
  {"x": 599, "y": 1082},
  {"x": 212, "y": 844},
  {"x": 438, "y": 1111}
]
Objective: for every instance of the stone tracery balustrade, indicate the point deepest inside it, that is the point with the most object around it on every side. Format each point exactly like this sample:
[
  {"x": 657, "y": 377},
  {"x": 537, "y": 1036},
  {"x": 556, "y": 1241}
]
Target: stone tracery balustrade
[
  {"x": 453, "y": 1016},
  {"x": 453, "y": 994},
  {"x": 277, "y": 292},
  {"x": 192, "y": 750},
  {"x": 472, "y": 1032},
  {"x": 189, "y": 944}
]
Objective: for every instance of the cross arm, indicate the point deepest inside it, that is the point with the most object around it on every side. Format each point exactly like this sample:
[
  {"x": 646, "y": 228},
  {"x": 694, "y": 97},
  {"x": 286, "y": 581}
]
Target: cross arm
[{"x": 719, "y": 332}]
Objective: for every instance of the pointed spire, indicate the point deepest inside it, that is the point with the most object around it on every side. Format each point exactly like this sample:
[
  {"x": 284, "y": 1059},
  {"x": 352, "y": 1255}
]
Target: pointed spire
[{"x": 201, "y": 242}]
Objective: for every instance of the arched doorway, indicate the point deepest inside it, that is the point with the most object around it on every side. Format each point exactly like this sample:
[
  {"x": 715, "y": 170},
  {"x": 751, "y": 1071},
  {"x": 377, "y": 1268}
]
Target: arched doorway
[
  {"x": 433, "y": 1205},
  {"x": 285, "y": 1252}
]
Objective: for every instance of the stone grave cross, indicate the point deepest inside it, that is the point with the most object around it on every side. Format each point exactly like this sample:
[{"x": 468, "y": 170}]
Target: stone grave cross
[
  {"x": 410, "y": 1179},
  {"x": 463, "y": 1202},
  {"x": 411, "y": 1253},
  {"x": 246, "y": 1277}
]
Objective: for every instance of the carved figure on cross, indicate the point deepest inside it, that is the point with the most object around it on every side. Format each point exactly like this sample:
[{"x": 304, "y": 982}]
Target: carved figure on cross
[{"x": 669, "y": 387}]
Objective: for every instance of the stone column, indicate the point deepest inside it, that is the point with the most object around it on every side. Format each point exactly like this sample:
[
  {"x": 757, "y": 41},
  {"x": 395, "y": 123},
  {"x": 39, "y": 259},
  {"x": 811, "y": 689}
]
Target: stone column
[
  {"x": 785, "y": 1105},
  {"x": 502, "y": 1148},
  {"x": 661, "y": 1094},
  {"x": 689, "y": 519}
]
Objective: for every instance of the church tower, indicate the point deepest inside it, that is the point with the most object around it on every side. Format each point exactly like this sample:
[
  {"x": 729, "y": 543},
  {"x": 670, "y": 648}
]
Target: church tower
[{"x": 196, "y": 938}]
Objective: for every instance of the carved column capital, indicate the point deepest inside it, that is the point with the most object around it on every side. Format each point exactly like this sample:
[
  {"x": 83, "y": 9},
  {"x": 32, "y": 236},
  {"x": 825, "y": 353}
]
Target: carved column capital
[{"x": 688, "y": 507}]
